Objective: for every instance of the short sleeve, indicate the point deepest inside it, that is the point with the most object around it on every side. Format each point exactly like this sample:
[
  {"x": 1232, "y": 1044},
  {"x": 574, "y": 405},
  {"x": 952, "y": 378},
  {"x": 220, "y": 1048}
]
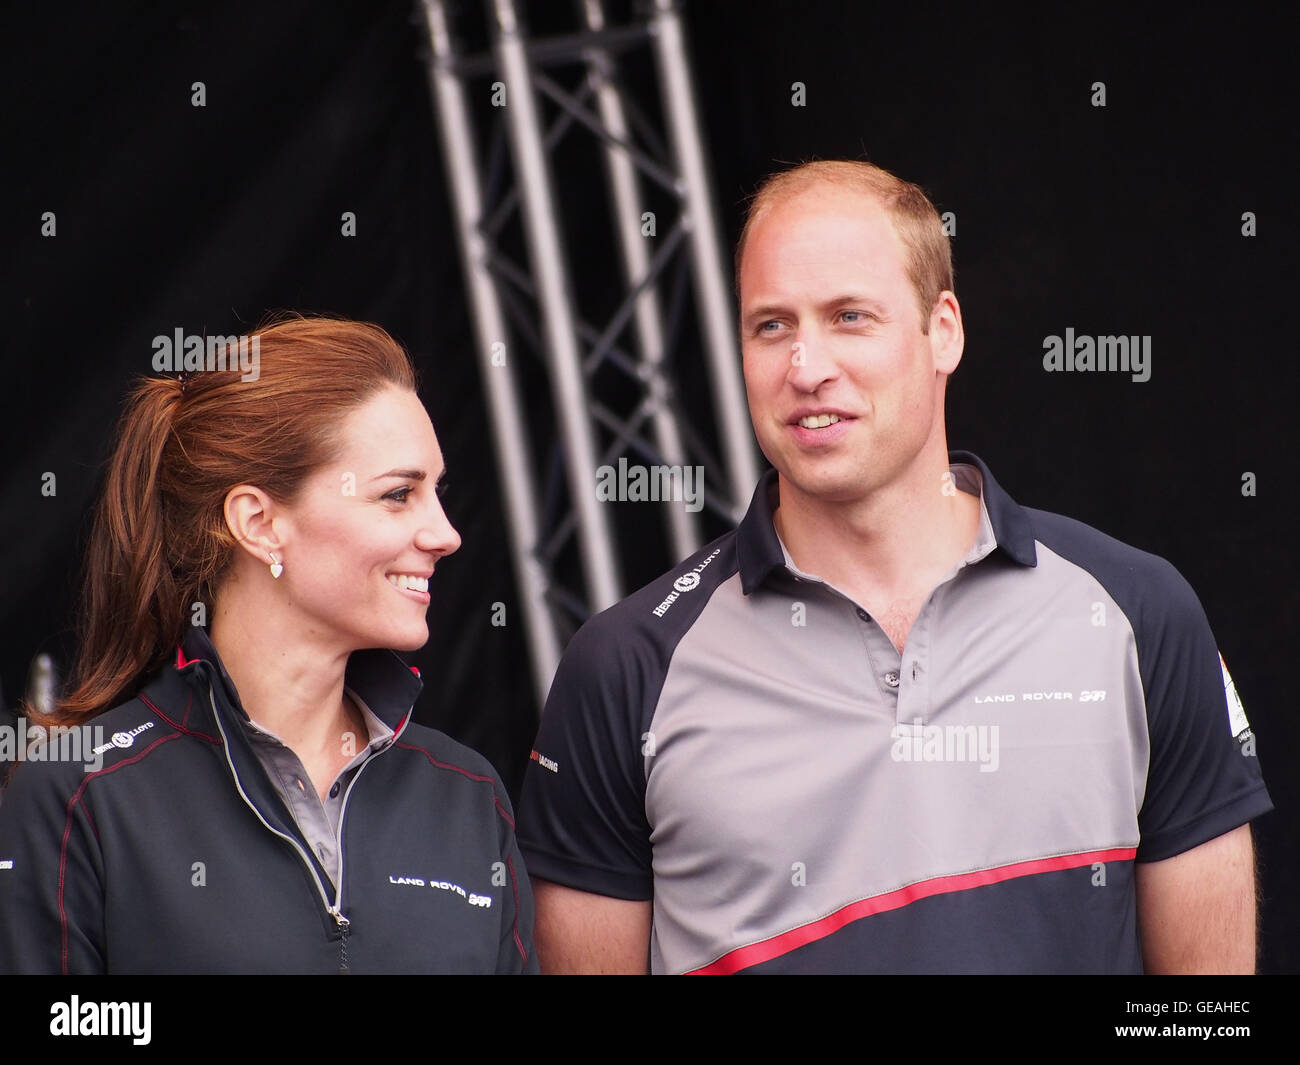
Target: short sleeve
[
  {"x": 582, "y": 820},
  {"x": 1204, "y": 777}
]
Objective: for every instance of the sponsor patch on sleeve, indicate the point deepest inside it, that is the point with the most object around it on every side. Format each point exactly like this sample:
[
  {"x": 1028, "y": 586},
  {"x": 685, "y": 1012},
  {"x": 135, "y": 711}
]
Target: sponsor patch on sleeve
[{"x": 1236, "y": 712}]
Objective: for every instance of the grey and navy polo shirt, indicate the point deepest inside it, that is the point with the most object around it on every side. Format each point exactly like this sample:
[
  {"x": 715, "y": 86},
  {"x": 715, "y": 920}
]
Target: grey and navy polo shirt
[{"x": 742, "y": 743}]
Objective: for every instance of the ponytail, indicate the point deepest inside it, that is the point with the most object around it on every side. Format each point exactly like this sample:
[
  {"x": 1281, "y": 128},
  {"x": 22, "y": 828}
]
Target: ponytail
[{"x": 131, "y": 608}]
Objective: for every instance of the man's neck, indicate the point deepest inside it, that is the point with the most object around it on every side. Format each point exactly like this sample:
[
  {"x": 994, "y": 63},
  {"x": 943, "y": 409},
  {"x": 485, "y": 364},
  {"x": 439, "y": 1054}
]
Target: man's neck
[{"x": 895, "y": 544}]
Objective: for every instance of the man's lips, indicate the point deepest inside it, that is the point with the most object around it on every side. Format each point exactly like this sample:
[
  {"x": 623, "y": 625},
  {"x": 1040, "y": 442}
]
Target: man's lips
[
  {"x": 799, "y": 413},
  {"x": 818, "y": 427}
]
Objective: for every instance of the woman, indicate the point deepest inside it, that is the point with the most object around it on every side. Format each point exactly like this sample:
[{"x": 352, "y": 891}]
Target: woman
[{"x": 264, "y": 803}]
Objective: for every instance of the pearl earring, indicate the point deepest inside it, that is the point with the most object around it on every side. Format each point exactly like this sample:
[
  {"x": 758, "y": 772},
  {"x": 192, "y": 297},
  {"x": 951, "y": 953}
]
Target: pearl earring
[{"x": 276, "y": 568}]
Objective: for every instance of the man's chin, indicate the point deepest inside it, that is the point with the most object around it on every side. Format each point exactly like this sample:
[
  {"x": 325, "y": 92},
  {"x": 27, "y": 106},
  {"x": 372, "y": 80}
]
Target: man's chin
[{"x": 826, "y": 486}]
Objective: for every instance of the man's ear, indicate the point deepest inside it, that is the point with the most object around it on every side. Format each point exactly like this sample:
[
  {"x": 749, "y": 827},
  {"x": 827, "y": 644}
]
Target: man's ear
[{"x": 947, "y": 335}]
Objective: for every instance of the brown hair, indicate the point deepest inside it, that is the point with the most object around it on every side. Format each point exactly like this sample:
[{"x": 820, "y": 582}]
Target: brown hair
[
  {"x": 929, "y": 256},
  {"x": 159, "y": 542}
]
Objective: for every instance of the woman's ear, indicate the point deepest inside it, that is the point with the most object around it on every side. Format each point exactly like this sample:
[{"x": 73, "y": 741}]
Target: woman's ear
[{"x": 250, "y": 515}]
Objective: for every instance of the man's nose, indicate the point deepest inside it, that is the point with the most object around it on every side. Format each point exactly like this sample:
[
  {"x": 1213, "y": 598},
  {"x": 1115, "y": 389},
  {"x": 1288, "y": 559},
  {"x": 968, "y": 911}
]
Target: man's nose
[{"x": 811, "y": 363}]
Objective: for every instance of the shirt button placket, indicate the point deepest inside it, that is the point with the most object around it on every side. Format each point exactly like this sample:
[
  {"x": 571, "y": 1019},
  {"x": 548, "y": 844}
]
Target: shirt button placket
[
  {"x": 890, "y": 678},
  {"x": 914, "y": 697}
]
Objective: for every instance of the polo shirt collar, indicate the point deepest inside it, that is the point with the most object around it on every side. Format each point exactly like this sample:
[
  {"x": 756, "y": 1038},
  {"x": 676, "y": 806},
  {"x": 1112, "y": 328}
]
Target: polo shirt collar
[
  {"x": 386, "y": 684},
  {"x": 1011, "y": 526},
  {"x": 759, "y": 549}
]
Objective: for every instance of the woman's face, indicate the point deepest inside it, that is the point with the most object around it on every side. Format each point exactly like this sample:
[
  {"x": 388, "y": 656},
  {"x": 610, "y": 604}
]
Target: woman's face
[{"x": 367, "y": 524}]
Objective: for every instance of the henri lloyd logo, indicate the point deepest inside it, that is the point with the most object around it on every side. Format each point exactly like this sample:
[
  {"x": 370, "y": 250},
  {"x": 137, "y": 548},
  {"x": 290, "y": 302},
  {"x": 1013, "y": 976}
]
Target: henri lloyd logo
[
  {"x": 123, "y": 740},
  {"x": 687, "y": 582}
]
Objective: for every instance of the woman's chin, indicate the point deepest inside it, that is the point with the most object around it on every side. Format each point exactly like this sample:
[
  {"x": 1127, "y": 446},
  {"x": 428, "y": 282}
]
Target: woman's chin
[{"x": 409, "y": 638}]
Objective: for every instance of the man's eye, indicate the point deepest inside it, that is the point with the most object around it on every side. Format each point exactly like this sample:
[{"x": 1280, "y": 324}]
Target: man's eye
[
  {"x": 853, "y": 317},
  {"x": 396, "y": 492},
  {"x": 770, "y": 326},
  {"x": 440, "y": 488}
]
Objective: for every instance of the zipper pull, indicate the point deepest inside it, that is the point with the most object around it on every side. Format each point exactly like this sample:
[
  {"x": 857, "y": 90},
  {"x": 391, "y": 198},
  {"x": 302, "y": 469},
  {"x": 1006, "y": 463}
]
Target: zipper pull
[{"x": 344, "y": 927}]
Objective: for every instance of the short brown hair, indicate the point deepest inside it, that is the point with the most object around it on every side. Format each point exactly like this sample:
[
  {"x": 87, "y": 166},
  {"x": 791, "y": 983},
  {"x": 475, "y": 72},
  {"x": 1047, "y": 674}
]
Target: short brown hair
[{"x": 917, "y": 223}]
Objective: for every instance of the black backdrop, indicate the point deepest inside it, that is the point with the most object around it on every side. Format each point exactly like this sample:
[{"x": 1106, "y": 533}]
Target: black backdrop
[{"x": 1125, "y": 219}]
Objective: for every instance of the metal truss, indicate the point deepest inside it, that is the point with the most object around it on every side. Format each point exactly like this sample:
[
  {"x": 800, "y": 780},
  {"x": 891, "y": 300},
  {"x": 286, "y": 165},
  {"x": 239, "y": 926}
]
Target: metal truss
[{"x": 608, "y": 371}]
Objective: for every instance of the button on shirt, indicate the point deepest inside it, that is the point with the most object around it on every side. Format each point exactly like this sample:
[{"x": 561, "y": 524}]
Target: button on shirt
[
  {"x": 913, "y": 704},
  {"x": 318, "y": 821}
]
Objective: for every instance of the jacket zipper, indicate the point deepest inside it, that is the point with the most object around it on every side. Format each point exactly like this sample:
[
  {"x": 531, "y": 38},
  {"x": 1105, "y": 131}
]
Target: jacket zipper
[
  {"x": 345, "y": 926},
  {"x": 335, "y": 911}
]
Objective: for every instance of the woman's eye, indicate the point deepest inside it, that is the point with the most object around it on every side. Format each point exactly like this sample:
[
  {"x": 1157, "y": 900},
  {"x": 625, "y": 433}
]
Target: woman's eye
[{"x": 396, "y": 492}]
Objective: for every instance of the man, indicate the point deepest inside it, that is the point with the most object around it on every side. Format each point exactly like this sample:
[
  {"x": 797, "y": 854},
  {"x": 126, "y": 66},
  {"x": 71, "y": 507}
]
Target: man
[{"x": 894, "y": 722}]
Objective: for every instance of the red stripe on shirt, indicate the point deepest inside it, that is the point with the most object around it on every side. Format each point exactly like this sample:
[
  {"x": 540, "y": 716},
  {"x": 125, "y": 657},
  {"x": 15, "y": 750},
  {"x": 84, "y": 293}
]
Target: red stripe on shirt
[{"x": 767, "y": 949}]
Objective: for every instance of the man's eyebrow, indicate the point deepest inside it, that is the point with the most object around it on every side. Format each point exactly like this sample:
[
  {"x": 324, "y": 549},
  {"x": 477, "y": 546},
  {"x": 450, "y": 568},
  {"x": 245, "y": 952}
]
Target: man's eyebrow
[
  {"x": 765, "y": 310},
  {"x": 855, "y": 299},
  {"x": 768, "y": 310},
  {"x": 409, "y": 475}
]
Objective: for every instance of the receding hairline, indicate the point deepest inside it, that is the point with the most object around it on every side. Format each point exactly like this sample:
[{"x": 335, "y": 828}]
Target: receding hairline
[
  {"x": 822, "y": 179},
  {"x": 912, "y": 215},
  {"x": 813, "y": 191}
]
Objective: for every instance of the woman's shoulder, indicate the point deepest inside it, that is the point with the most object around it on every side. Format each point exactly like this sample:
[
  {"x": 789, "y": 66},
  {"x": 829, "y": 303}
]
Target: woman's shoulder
[
  {"x": 115, "y": 744},
  {"x": 448, "y": 755}
]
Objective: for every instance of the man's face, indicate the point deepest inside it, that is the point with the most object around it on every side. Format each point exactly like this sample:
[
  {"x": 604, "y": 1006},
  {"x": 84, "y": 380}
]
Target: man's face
[
  {"x": 364, "y": 521},
  {"x": 830, "y": 330}
]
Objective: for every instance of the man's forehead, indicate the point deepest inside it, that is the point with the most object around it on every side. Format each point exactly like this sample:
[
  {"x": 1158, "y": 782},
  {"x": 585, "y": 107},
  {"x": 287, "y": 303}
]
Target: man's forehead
[
  {"x": 821, "y": 231},
  {"x": 829, "y": 205}
]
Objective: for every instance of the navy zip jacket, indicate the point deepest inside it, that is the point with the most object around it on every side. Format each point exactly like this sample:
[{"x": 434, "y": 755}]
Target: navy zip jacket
[{"x": 176, "y": 855}]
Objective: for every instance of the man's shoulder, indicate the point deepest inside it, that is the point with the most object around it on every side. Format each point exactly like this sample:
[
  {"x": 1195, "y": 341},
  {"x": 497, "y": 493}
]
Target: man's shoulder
[
  {"x": 654, "y": 618},
  {"x": 1134, "y": 577},
  {"x": 1078, "y": 537}
]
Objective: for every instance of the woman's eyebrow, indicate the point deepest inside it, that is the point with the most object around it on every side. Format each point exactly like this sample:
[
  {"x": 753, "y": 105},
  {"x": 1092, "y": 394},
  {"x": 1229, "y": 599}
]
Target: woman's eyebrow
[{"x": 410, "y": 475}]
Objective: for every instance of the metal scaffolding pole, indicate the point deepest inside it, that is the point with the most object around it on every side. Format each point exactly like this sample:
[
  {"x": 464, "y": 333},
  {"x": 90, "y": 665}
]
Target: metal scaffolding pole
[
  {"x": 546, "y": 253},
  {"x": 611, "y": 390},
  {"x": 626, "y": 195},
  {"x": 509, "y": 445},
  {"x": 712, "y": 297}
]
